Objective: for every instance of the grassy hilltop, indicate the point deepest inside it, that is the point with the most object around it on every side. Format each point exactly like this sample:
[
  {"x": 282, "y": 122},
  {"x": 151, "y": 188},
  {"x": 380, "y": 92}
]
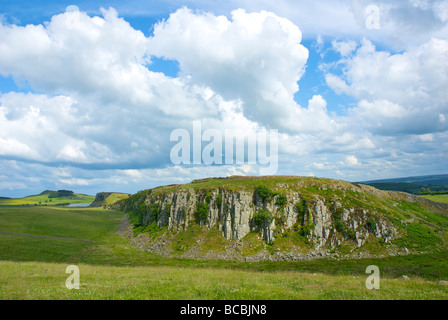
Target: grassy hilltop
[{"x": 48, "y": 198}]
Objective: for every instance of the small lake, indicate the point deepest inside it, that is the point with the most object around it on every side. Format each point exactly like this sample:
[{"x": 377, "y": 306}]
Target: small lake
[{"x": 82, "y": 205}]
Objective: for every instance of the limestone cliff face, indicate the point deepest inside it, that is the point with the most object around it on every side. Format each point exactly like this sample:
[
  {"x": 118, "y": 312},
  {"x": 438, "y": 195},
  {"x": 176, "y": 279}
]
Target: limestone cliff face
[{"x": 324, "y": 218}]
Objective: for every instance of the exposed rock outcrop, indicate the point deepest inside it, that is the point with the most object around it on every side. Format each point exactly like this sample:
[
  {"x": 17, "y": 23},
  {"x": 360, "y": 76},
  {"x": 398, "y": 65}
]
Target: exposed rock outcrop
[
  {"x": 324, "y": 213},
  {"x": 99, "y": 199}
]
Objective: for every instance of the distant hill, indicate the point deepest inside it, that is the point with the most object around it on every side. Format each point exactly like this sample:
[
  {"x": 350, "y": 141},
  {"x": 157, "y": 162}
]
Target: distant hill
[
  {"x": 59, "y": 193},
  {"x": 397, "y": 186},
  {"x": 435, "y": 180},
  {"x": 431, "y": 184},
  {"x": 48, "y": 198}
]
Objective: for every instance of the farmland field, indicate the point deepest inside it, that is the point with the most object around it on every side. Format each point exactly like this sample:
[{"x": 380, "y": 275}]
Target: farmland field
[{"x": 437, "y": 197}]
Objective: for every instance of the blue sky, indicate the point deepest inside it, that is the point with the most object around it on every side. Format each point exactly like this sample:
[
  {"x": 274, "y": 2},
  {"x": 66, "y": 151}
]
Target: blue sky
[{"x": 90, "y": 91}]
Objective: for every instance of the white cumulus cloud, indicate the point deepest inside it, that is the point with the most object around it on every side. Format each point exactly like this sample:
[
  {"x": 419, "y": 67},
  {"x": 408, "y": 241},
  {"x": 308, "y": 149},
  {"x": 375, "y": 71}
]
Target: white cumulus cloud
[{"x": 255, "y": 57}]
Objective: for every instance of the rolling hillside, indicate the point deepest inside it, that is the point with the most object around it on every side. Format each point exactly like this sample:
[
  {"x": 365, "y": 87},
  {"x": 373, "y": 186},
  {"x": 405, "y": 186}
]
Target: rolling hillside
[
  {"x": 415, "y": 185},
  {"x": 48, "y": 198}
]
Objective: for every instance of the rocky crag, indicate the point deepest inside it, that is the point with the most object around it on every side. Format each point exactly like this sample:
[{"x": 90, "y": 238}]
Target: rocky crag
[
  {"x": 108, "y": 200},
  {"x": 281, "y": 218},
  {"x": 99, "y": 199}
]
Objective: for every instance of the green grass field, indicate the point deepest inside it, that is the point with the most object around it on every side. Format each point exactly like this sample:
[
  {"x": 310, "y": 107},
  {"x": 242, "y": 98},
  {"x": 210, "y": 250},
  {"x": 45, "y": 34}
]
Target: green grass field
[
  {"x": 45, "y": 200},
  {"x": 33, "y": 280},
  {"x": 437, "y": 197},
  {"x": 110, "y": 268}
]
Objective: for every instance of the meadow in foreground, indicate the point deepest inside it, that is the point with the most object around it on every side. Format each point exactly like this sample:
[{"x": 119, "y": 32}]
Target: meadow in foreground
[{"x": 110, "y": 268}]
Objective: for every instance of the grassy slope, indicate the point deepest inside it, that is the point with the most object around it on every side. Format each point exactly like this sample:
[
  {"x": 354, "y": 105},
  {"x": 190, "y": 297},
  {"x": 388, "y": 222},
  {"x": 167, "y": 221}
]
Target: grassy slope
[
  {"x": 443, "y": 198},
  {"x": 92, "y": 224},
  {"x": 46, "y": 281},
  {"x": 240, "y": 183},
  {"x": 43, "y": 199},
  {"x": 34, "y": 268},
  {"x": 114, "y": 197}
]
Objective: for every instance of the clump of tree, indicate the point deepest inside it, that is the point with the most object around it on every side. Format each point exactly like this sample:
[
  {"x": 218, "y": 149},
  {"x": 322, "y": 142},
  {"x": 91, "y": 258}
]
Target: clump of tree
[
  {"x": 202, "y": 212},
  {"x": 302, "y": 210},
  {"x": 262, "y": 218},
  {"x": 154, "y": 212},
  {"x": 281, "y": 200},
  {"x": 304, "y": 218},
  {"x": 431, "y": 190},
  {"x": 371, "y": 224},
  {"x": 340, "y": 225},
  {"x": 219, "y": 200},
  {"x": 136, "y": 207},
  {"x": 60, "y": 193},
  {"x": 266, "y": 194}
]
